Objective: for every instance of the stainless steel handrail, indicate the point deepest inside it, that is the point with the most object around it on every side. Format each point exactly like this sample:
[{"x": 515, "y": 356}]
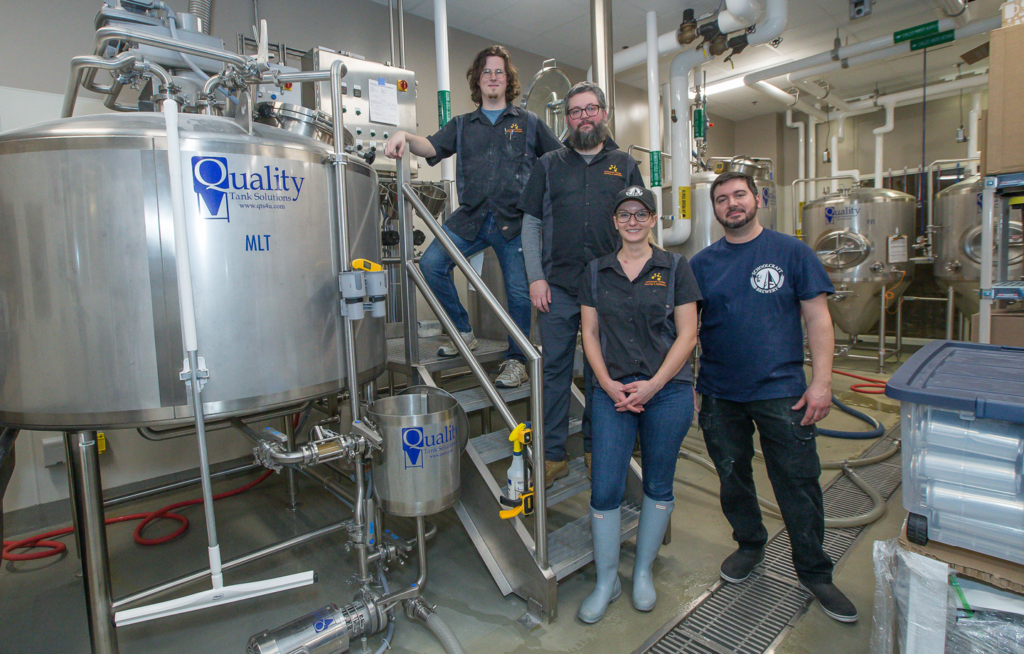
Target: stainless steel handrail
[
  {"x": 629, "y": 151},
  {"x": 533, "y": 357}
]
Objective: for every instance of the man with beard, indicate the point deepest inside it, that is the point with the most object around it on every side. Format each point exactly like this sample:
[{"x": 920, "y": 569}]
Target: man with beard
[
  {"x": 497, "y": 145},
  {"x": 567, "y": 208},
  {"x": 756, "y": 285}
]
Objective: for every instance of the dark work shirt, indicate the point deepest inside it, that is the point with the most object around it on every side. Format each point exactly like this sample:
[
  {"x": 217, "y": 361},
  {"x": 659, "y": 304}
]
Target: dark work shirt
[
  {"x": 494, "y": 163},
  {"x": 636, "y": 319},
  {"x": 573, "y": 200},
  {"x": 750, "y": 333}
]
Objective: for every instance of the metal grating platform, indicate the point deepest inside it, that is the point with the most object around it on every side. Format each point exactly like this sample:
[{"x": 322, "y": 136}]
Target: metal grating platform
[
  {"x": 487, "y": 350},
  {"x": 474, "y": 399},
  {"x": 752, "y": 617}
]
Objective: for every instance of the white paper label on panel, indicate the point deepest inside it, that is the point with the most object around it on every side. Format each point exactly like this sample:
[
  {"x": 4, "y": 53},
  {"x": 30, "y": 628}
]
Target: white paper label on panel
[
  {"x": 383, "y": 102},
  {"x": 898, "y": 249}
]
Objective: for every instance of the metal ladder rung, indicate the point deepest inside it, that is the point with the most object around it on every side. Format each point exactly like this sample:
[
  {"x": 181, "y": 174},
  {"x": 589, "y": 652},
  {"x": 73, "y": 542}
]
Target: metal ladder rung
[
  {"x": 572, "y": 484},
  {"x": 474, "y": 399}
]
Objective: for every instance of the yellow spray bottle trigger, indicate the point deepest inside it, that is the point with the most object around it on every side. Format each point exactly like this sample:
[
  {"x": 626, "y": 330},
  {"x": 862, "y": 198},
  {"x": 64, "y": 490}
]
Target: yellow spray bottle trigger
[
  {"x": 520, "y": 436},
  {"x": 367, "y": 265}
]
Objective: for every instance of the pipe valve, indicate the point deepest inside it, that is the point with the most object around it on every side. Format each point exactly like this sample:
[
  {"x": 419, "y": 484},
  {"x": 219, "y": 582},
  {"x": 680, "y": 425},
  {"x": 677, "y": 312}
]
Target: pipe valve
[{"x": 687, "y": 32}]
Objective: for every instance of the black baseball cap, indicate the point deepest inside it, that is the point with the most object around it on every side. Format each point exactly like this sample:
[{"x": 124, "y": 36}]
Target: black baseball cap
[{"x": 642, "y": 195}]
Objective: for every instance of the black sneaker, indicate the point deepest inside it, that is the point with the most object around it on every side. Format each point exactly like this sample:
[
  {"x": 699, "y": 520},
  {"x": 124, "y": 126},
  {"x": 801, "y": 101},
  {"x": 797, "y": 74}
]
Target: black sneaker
[
  {"x": 833, "y": 602},
  {"x": 740, "y": 564}
]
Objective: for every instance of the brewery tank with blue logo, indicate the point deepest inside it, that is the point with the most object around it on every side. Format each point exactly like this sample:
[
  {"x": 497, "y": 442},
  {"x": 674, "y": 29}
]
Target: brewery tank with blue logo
[
  {"x": 90, "y": 331},
  {"x": 864, "y": 238}
]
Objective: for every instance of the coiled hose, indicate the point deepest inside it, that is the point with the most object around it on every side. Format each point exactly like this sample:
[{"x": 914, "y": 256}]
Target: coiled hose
[{"x": 878, "y": 430}]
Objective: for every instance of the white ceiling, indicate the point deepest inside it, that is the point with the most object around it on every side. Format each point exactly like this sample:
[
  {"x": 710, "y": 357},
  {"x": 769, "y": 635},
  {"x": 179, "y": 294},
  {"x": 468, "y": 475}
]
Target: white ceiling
[{"x": 560, "y": 29}]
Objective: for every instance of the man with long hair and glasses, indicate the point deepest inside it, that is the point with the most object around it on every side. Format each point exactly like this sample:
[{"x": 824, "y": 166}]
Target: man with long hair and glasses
[
  {"x": 497, "y": 145},
  {"x": 565, "y": 207}
]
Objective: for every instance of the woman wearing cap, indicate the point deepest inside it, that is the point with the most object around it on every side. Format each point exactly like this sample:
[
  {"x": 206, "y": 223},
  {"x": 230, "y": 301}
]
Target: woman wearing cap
[{"x": 639, "y": 313}]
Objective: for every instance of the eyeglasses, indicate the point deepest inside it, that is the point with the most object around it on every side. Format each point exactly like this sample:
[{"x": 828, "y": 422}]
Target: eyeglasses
[
  {"x": 641, "y": 216},
  {"x": 577, "y": 112},
  {"x": 487, "y": 72}
]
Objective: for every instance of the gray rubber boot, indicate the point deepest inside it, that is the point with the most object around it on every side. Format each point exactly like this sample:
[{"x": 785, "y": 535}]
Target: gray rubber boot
[
  {"x": 606, "y": 529},
  {"x": 653, "y": 523}
]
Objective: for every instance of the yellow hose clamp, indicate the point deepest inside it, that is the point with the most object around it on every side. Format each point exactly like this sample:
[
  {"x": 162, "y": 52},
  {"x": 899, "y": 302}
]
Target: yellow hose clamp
[
  {"x": 525, "y": 506},
  {"x": 367, "y": 265}
]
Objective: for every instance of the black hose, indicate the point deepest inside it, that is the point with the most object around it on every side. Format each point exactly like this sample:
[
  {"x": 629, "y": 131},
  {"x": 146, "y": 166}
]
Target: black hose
[{"x": 878, "y": 430}]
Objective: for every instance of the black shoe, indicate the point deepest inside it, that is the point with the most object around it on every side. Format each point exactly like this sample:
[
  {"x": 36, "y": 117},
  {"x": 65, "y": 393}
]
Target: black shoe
[
  {"x": 740, "y": 564},
  {"x": 835, "y": 605}
]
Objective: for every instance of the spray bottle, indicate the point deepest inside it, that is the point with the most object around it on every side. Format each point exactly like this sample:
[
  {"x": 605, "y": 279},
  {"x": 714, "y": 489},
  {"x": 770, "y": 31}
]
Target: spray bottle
[{"x": 516, "y": 471}]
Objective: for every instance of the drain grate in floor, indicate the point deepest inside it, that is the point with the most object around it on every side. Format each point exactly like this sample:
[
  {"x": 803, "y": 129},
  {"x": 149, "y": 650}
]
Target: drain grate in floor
[{"x": 750, "y": 618}]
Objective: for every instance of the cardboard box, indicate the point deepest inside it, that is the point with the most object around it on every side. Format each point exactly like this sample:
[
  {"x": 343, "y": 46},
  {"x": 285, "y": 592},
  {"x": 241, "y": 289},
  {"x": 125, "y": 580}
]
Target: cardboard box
[
  {"x": 1013, "y": 13},
  {"x": 1005, "y": 139},
  {"x": 987, "y": 569},
  {"x": 1007, "y": 328}
]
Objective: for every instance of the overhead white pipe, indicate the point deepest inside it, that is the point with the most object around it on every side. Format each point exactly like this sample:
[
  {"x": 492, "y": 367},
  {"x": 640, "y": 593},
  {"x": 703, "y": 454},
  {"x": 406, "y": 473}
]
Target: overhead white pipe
[
  {"x": 838, "y": 138},
  {"x": 914, "y": 95},
  {"x": 812, "y": 154},
  {"x": 444, "y": 83},
  {"x": 813, "y": 89},
  {"x": 879, "y": 132},
  {"x": 956, "y": 10},
  {"x": 972, "y": 127},
  {"x": 801, "y": 149},
  {"x": 737, "y": 15},
  {"x": 768, "y": 29},
  {"x": 788, "y": 99},
  {"x": 654, "y": 116}
]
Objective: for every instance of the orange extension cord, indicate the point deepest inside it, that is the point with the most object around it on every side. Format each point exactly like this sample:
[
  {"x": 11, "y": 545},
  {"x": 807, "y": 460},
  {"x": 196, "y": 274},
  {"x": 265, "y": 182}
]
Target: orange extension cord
[{"x": 55, "y": 547}]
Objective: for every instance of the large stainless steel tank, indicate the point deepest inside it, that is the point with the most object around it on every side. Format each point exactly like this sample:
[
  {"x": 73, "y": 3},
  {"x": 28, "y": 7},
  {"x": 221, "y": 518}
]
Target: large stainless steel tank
[
  {"x": 89, "y": 322},
  {"x": 957, "y": 242},
  {"x": 705, "y": 228},
  {"x": 850, "y": 231}
]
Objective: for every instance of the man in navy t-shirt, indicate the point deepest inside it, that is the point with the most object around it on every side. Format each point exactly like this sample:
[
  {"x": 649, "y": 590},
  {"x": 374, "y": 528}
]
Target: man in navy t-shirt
[{"x": 756, "y": 285}]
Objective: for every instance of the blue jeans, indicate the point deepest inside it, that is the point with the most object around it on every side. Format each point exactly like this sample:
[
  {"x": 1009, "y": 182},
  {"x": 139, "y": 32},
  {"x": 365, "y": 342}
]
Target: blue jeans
[
  {"x": 791, "y": 457},
  {"x": 437, "y": 269},
  {"x": 662, "y": 425}
]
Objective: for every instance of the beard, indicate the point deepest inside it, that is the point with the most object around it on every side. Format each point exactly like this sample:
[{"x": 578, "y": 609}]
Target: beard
[
  {"x": 737, "y": 222},
  {"x": 590, "y": 139}
]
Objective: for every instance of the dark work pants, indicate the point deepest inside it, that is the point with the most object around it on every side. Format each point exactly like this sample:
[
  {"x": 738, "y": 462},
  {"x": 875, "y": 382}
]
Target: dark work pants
[
  {"x": 791, "y": 457},
  {"x": 559, "y": 328}
]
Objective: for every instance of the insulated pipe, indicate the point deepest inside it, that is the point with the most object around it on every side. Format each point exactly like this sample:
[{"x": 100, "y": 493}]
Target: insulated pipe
[
  {"x": 444, "y": 84},
  {"x": 654, "y": 118},
  {"x": 914, "y": 95},
  {"x": 818, "y": 92},
  {"x": 812, "y": 155},
  {"x": 401, "y": 33},
  {"x": 838, "y": 138},
  {"x": 788, "y": 100},
  {"x": 956, "y": 10},
  {"x": 879, "y": 132},
  {"x": 737, "y": 15},
  {"x": 972, "y": 127},
  {"x": 801, "y": 149},
  {"x": 601, "y": 53}
]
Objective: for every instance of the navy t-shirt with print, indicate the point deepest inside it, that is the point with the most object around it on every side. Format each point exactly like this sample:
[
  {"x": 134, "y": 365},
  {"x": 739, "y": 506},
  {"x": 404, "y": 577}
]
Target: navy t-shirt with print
[{"x": 750, "y": 333}]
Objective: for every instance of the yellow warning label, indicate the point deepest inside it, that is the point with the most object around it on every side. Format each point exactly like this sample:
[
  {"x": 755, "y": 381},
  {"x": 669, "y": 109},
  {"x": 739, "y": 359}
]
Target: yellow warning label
[
  {"x": 684, "y": 203},
  {"x": 1016, "y": 200},
  {"x": 101, "y": 442}
]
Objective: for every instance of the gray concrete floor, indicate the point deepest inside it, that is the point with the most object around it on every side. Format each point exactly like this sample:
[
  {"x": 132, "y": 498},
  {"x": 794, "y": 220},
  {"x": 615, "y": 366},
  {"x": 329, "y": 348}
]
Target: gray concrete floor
[{"x": 43, "y": 608}]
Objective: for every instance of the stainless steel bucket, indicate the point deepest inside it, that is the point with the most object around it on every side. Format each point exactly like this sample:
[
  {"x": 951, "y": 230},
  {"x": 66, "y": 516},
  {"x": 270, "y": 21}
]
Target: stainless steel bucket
[{"x": 417, "y": 474}]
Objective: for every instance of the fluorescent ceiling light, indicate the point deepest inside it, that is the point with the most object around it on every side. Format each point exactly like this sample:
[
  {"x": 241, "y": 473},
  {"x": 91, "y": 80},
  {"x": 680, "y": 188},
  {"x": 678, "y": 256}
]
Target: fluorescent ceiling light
[{"x": 727, "y": 85}]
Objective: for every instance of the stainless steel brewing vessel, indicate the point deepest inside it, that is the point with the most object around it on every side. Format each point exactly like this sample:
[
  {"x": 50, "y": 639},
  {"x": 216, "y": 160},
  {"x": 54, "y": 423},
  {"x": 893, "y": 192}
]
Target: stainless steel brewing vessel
[
  {"x": 863, "y": 237},
  {"x": 89, "y": 322},
  {"x": 956, "y": 242}
]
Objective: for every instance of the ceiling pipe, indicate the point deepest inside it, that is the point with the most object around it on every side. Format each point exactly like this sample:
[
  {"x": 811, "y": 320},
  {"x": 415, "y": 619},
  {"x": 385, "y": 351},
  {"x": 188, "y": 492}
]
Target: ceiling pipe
[
  {"x": 444, "y": 84},
  {"x": 601, "y": 53},
  {"x": 738, "y": 14},
  {"x": 654, "y": 117},
  {"x": 879, "y": 132},
  {"x": 812, "y": 154},
  {"x": 972, "y": 127},
  {"x": 837, "y": 138},
  {"x": 768, "y": 29},
  {"x": 788, "y": 99},
  {"x": 914, "y": 95},
  {"x": 826, "y": 94},
  {"x": 801, "y": 149},
  {"x": 956, "y": 10}
]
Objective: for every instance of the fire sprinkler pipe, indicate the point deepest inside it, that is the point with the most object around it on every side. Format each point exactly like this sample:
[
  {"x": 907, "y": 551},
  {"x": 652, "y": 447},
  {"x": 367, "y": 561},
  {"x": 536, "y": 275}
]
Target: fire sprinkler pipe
[{"x": 768, "y": 29}]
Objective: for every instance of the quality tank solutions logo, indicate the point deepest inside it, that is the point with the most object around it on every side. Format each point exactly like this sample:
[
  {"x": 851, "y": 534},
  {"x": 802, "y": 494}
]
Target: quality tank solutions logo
[
  {"x": 218, "y": 188},
  {"x": 419, "y": 444}
]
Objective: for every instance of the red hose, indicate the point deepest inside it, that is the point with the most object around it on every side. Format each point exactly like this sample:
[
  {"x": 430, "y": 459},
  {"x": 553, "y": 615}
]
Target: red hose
[
  {"x": 55, "y": 547},
  {"x": 872, "y": 387}
]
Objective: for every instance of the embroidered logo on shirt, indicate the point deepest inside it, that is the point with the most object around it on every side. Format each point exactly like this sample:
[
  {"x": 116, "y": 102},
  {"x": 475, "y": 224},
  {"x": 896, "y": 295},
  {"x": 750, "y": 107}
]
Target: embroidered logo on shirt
[
  {"x": 767, "y": 278},
  {"x": 513, "y": 129},
  {"x": 655, "y": 280},
  {"x": 613, "y": 170}
]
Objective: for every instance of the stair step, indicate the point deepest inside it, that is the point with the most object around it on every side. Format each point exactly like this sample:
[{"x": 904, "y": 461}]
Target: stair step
[
  {"x": 487, "y": 350},
  {"x": 474, "y": 399},
  {"x": 571, "y": 547},
  {"x": 572, "y": 484},
  {"x": 496, "y": 446}
]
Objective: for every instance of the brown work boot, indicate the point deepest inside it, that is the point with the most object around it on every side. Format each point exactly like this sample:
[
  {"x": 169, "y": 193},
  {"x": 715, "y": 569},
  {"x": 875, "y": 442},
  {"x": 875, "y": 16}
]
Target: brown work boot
[
  {"x": 586, "y": 458},
  {"x": 554, "y": 470}
]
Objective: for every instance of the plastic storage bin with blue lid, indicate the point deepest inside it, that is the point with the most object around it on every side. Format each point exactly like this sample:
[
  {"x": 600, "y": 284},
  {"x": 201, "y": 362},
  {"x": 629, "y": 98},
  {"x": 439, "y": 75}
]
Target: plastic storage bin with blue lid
[{"x": 962, "y": 425}]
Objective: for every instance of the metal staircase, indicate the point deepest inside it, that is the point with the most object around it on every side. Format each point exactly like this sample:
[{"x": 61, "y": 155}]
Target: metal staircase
[{"x": 523, "y": 556}]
